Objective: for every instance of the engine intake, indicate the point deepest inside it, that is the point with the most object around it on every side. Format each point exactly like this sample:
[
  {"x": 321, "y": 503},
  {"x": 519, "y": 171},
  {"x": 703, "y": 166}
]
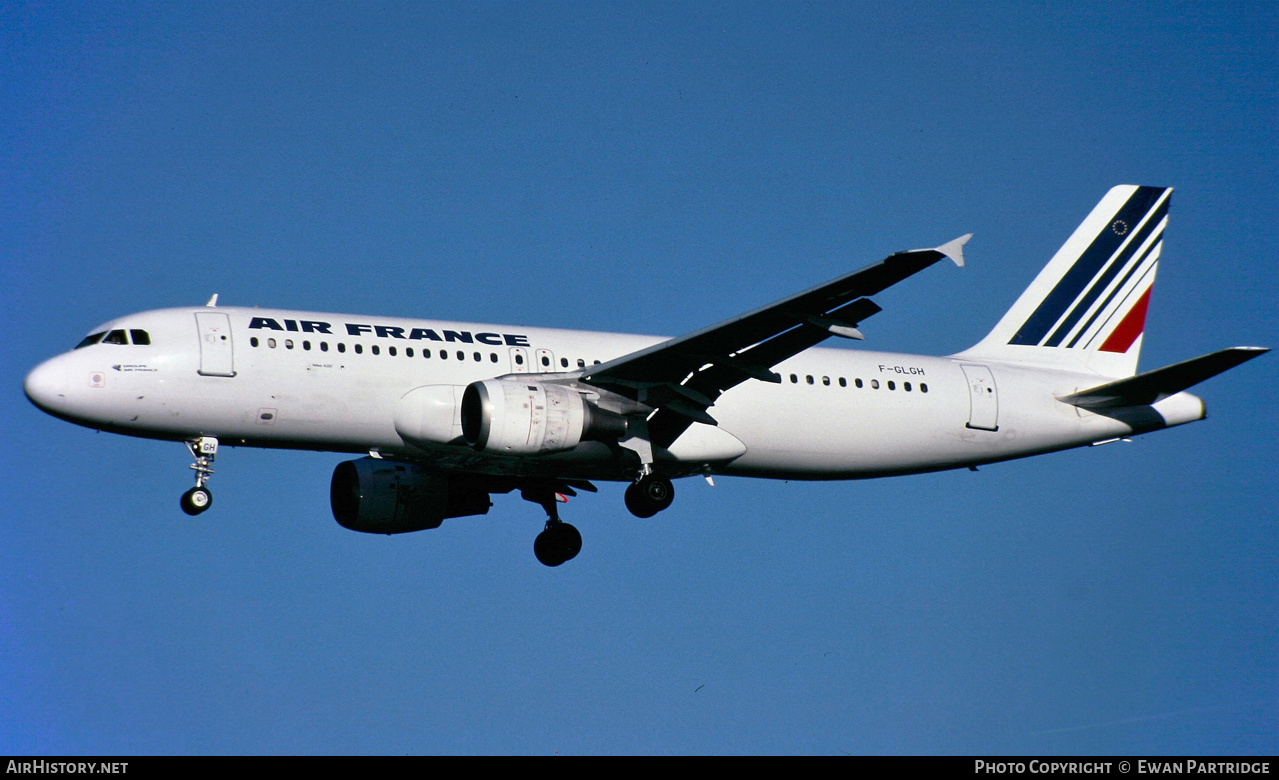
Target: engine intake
[
  {"x": 389, "y": 497},
  {"x": 512, "y": 417}
]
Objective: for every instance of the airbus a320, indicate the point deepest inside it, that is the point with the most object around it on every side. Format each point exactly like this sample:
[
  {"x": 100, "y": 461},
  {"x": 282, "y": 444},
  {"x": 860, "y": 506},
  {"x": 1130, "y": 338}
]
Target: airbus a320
[{"x": 448, "y": 414}]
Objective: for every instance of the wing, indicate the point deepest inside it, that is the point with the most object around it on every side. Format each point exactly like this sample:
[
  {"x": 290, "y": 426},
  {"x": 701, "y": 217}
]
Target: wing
[{"x": 682, "y": 378}]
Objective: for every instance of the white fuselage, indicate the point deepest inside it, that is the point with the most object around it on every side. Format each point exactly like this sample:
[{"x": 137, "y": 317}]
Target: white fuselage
[{"x": 274, "y": 378}]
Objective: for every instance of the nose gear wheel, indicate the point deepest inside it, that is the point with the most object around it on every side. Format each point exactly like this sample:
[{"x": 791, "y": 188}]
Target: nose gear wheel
[{"x": 196, "y": 500}]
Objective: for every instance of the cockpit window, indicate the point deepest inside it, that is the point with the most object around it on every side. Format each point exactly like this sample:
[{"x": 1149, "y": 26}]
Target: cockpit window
[
  {"x": 92, "y": 338},
  {"x": 140, "y": 337}
]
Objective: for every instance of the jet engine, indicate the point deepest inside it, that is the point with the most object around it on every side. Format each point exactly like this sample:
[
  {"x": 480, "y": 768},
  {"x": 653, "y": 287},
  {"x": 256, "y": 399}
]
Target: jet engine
[
  {"x": 514, "y": 417},
  {"x": 389, "y": 497}
]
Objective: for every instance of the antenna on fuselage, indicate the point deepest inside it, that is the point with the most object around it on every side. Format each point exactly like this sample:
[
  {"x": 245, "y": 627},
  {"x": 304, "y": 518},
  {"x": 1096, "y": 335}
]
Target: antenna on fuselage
[{"x": 213, "y": 302}]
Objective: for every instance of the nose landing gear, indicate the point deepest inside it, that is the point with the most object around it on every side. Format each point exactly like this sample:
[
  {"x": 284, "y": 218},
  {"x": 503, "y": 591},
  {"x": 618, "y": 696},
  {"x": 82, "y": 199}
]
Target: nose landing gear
[{"x": 200, "y": 498}]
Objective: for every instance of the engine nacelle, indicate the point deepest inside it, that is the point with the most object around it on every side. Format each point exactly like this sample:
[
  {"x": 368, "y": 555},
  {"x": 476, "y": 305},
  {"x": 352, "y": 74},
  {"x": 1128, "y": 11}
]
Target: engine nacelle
[
  {"x": 389, "y": 497},
  {"x": 429, "y": 415},
  {"x": 515, "y": 417}
]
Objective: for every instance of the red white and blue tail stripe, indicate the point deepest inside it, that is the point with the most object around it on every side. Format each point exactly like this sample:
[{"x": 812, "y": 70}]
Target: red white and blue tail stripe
[{"x": 1087, "y": 308}]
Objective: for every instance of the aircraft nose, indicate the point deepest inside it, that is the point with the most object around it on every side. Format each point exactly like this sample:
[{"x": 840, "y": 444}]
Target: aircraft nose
[{"x": 45, "y": 386}]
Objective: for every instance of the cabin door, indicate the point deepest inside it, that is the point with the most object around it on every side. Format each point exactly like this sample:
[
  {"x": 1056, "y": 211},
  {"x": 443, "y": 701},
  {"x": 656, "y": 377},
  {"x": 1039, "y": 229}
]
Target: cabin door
[
  {"x": 216, "y": 356},
  {"x": 983, "y": 412}
]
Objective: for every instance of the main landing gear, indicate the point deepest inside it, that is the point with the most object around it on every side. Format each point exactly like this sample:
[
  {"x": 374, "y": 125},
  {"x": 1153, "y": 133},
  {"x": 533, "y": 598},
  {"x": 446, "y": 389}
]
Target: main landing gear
[
  {"x": 649, "y": 495},
  {"x": 200, "y": 498},
  {"x": 559, "y": 541}
]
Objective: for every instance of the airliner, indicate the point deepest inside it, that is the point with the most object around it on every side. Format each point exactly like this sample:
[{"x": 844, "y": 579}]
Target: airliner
[{"x": 446, "y": 414}]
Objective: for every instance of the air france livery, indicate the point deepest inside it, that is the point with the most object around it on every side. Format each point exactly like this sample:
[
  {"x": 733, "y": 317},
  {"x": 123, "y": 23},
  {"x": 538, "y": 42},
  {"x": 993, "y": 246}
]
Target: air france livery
[{"x": 448, "y": 413}]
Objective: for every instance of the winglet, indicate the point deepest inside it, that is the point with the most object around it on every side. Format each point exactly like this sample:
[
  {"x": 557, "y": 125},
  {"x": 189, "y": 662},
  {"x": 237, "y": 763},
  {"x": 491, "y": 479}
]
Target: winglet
[
  {"x": 212, "y": 301},
  {"x": 955, "y": 249}
]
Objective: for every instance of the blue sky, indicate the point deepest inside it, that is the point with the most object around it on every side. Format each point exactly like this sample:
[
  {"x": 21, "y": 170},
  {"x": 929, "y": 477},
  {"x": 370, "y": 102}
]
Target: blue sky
[{"x": 652, "y": 168}]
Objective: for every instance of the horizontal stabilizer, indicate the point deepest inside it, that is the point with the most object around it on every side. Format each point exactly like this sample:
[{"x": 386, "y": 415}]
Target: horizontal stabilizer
[{"x": 1145, "y": 389}]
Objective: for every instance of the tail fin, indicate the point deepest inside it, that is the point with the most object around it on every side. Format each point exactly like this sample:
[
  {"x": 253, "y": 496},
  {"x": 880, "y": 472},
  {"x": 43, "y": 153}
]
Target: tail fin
[{"x": 1087, "y": 309}]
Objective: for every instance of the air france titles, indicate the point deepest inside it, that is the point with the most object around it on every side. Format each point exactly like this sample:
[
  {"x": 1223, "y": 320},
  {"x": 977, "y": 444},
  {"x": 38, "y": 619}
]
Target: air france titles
[{"x": 392, "y": 332}]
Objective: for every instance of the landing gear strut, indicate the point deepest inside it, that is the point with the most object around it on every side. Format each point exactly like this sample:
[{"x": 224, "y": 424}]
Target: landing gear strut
[
  {"x": 649, "y": 495},
  {"x": 559, "y": 541},
  {"x": 200, "y": 498}
]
